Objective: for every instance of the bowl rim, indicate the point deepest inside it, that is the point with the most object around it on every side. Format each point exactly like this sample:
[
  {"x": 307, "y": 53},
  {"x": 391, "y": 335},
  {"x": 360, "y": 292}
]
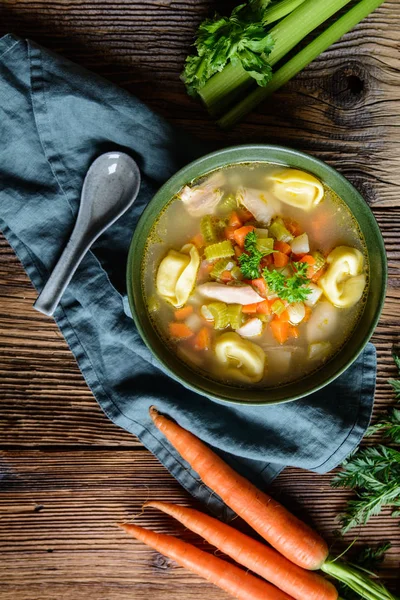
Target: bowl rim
[{"x": 242, "y": 150}]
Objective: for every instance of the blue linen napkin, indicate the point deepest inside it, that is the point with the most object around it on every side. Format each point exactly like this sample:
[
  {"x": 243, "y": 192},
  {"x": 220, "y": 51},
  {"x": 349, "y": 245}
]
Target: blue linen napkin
[{"x": 55, "y": 119}]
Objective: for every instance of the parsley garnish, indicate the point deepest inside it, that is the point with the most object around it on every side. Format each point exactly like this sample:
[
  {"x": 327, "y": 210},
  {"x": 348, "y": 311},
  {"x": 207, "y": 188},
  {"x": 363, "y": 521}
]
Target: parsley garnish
[
  {"x": 240, "y": 39},
  {"x": 249, "y": 261},
  {"x": 374, "y": 472},
  {"x": 294, "y": 288}
]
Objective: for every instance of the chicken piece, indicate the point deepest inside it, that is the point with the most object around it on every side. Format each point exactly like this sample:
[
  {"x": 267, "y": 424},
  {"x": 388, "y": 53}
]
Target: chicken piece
[{"x": 230, "y": 294}]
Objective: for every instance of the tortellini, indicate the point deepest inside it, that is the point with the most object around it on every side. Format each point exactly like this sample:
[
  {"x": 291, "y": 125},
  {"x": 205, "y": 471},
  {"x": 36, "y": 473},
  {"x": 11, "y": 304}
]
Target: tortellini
[
  {"x": 177, "y": 274},
  {"x": 344, "y": 281},
  {"x": 297, "y": 188},
  {"x": 244, "y": 361}
]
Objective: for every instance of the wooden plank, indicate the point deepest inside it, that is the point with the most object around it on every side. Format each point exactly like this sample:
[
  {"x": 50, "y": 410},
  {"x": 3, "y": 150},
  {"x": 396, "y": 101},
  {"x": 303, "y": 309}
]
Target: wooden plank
[
  {"x": 58, "y": 505},
  {"x": 59, "y": 540}
]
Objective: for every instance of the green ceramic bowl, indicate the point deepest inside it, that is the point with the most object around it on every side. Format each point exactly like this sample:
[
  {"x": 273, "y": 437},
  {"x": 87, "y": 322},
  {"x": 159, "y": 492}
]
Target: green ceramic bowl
[{"x": 376, "y": 295}]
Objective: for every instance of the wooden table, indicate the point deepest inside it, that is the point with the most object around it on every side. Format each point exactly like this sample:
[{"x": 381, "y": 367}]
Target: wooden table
[{"x": 68, "y": 474}]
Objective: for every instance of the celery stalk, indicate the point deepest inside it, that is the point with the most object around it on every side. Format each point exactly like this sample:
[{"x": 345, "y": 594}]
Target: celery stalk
[
  {"x": 301, "y": 60},
  {"x": 221, "y": 89},
  {"x": 280, "y": 10}
]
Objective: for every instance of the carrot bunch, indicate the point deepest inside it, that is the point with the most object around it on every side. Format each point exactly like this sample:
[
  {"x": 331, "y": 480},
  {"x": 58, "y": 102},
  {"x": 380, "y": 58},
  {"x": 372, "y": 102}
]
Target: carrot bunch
[{"x": 287, "y": 569}]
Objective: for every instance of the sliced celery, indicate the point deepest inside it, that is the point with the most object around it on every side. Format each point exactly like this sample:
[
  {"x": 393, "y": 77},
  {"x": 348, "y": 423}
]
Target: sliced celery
[
  {"x": 208, "y": 229},
  {"x": 227, "y": 204},
  {"x": 319, "y": 260},
  {"x": 265, "y": 245},
  {"x": 237, "y": 273},
  {"x": 279, "y": 232},
  {"x": 219, "y": 250},
  {"x": 235, "y": 315},
  {"x": 278, "y": 307},
  {"x": 219, "y": 311}
]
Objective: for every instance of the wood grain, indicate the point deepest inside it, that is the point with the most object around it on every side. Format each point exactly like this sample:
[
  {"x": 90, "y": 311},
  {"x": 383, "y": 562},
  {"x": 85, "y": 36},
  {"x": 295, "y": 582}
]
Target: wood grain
[{"x": 67, "y": 473}]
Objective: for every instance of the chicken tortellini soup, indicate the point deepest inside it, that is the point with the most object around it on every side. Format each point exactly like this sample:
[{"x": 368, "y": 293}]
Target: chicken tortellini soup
[{"x": 255, "y": 275}]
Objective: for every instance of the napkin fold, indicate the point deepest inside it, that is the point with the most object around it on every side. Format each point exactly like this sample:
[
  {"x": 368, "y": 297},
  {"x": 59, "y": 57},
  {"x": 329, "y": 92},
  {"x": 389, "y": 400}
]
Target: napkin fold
[{"x": 55, "y": 119}]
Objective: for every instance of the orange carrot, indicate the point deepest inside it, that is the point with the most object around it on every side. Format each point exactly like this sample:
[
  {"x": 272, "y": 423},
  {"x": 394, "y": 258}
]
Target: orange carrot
[
  {"x": 267, "y": 261},
  {"x": 294, "y": 332},
  {"x": 180, "y": 331},
  {"x": 198, "y": 241},
  {"x": 260, "y": 285},
  {"x": 202, "y": 341},
  {"x": 282, "y": 247},
  {"x": 226, "y": 276},
  {"x": 307, "y": 258},
  {"x": 317, "y": 274},
  {"x": 229, "y": 233},
  {"x": 249, "y": 309},
  {"x": 280, "y": 259},
  {"x": 259, "y": 558},
  {"x": 226, "y": 576},
  {"x": 238, "y": 251},
  {"x": 240, "y": 234},
  {"x": 234, "y": 220},
  {"x": 280, "y": 329},
  {"x": 293, "y": 227},
  {"x": 296, "y": 257},
  {"x": 285, "y": 532},
  {"x": 182, "y": 313},
  {"x": 263, "y": 308},
  {"x": 245, "y": 215},
  {"x": 310, "y": 260}
]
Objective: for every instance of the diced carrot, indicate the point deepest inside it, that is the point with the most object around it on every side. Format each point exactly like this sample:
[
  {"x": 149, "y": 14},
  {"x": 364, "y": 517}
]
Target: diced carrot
[
  {"x": 308, "y": 314},
  {"x": 282, "y": 247},
  {"x": 284, "y": 317},
  {"x": 180, "y": 331},
  {"x": 310, "y": 260},
  {"x": 238, "y": 251},
  {"x": 307, "y": 258},
  {"x": 249, "y": 309},
  {"x": 182, "y": 313},
  {"x": 293, "y": 227},
  {"x": 260, "y": 285},
  {"x": 229, "y": 233},
  {"x": 198, "y": 240},
  {"x": 226, "y": 276},
  {"x": 202, "y": 341},
  {"x": 245, "y": 215},
  {"x": 317, "y": 274},
  {"x": 267, "y": 261},
  {"x": 294, "y": 332},
  {"x": 280, "y": 259},
  {"x": 234, "y": 220},
  {"x": 280, "y": 330},
  {"x": 263, "y": 308},
  {"x": 297, "y": 257},
  {"x": 240, "y": 234}
]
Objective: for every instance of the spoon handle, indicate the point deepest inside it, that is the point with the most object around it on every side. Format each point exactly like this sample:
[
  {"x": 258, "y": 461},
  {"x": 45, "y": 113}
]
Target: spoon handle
[{"x": 61, "y": 275}]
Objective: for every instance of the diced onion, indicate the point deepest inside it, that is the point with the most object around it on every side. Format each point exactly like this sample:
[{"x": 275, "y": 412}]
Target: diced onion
[
  {"x": 297, "y": 312},
  {"x": 300, "y": 244},
  {"x": 194, "y": 322},
  {"x": 251, "y": 328},
  {"x": 206, "y": 313},
  {"x": 315, "y": 295}
]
